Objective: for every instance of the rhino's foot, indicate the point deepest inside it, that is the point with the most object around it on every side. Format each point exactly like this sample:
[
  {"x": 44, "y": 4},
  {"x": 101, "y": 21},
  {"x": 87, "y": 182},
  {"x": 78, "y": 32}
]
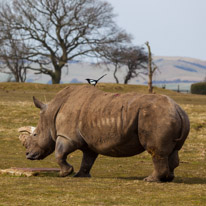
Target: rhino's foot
[
  {"x": 168, "y": 178},
  {"x": 81, "y": 174},
  {"x": 67, "y": 172},
  {"x": 151, "y": 179},
  {"x": 162, "y": 179}
]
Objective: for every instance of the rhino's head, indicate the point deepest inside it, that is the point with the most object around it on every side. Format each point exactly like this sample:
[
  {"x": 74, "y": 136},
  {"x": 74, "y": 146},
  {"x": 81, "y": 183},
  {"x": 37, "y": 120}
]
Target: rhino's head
[{"x": 38, "y": 141}]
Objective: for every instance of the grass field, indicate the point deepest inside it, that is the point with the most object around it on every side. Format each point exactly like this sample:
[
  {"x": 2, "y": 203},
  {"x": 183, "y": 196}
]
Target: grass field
[{"x": 115, "y": 181}]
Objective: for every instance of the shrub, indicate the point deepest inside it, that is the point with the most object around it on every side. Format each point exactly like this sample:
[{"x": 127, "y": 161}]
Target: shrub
[{"x": 198, "y": 88}]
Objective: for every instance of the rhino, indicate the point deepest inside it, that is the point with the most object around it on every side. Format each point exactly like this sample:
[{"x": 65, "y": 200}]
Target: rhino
[{"x": 112, "y": 124}]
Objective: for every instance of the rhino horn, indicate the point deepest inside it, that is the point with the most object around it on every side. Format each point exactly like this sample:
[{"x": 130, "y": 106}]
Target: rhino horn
[{"x": 25, "y": 132}]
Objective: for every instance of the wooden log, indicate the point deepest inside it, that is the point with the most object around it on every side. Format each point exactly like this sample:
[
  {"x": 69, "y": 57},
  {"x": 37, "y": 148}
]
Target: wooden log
[{"x": 28, "y": 172}]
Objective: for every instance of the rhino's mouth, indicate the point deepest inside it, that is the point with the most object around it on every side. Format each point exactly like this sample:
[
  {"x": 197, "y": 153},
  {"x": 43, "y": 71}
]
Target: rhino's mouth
[{"x": 33, "y": 156}]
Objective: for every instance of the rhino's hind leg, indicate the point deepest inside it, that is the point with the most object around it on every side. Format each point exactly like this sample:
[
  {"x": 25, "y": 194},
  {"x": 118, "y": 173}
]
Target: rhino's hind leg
[
  {"x": 173, "y": 161},
  {"x": 164, "y": 168},
  {"x": 161, "y": 171},
  {"x": 88, "y": 159},
  {"x": 62, "y": 149}
]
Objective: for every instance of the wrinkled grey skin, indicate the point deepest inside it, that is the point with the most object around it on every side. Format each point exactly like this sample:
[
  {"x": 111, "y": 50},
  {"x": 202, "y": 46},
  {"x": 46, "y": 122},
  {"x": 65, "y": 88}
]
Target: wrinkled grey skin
[{"x": 118, "y": 125}]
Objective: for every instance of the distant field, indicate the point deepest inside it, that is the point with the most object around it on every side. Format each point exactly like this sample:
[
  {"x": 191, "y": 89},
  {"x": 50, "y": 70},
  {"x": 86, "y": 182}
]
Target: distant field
[{"x": 115, "y": 181}]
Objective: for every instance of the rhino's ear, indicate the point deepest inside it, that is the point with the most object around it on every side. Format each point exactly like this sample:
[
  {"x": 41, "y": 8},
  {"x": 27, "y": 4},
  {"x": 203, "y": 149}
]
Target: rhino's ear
[{"x": 39, "y": 104}]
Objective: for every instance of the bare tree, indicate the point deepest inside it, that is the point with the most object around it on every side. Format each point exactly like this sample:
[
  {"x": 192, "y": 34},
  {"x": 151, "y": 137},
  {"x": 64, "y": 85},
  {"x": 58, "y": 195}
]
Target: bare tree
[
  {"x": 116, "y": 60},
  {"x": 135, "y": 58},
  {"x": 114, "y": 56},
  {"x": 13, "y": 58},
  {"x": 151, "y": 68},
  {"x": 61, "y": 30}
]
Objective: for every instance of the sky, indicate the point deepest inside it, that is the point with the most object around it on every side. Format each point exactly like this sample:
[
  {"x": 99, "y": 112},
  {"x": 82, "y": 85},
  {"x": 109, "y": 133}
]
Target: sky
[{"x": 172, "y": 27}]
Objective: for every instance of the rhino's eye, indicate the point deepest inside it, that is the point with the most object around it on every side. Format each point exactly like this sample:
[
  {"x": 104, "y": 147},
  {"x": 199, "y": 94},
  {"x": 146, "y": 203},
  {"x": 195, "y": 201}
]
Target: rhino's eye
[{"x": 35, "y": 134}]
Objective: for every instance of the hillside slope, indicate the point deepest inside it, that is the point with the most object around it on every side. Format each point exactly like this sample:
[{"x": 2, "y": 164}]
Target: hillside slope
[
  {"x": 172, "y": 70},
  {"x": 179, "y": 70}
]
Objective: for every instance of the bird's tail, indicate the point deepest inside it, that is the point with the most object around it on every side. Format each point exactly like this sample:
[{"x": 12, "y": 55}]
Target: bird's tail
[{"x": 101, "y": 77}]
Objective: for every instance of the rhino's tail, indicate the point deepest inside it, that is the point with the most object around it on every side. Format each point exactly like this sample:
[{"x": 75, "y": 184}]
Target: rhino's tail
[{"x": 185, "y": 127}]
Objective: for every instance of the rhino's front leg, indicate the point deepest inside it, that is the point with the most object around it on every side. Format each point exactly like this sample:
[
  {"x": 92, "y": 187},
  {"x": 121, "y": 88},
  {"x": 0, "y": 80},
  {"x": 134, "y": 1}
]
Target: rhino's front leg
[
  {"x": 88, "y": 159},
  {"x": 62, "y": 149}
]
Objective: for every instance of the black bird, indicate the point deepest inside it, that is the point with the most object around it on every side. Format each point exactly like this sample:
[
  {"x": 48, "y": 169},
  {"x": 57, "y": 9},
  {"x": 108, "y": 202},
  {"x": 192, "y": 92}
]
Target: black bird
[{"x": 93, "y": 81}]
